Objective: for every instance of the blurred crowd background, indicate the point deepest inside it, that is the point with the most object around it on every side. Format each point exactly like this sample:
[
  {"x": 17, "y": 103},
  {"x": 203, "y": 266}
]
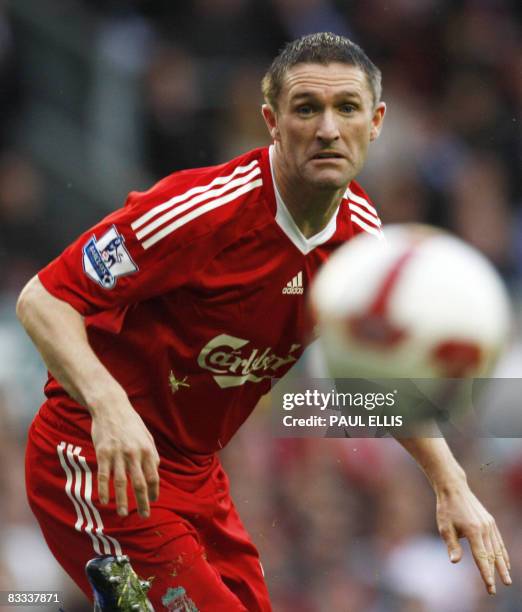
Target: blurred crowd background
[{"x": 99, "y": 97}]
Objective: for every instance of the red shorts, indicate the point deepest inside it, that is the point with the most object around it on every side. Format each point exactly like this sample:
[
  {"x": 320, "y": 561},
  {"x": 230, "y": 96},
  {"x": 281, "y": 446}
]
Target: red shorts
[{"x": 193, "y": 539}]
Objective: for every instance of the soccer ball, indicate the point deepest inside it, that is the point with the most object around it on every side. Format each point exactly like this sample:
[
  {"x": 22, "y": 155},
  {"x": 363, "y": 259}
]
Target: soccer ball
[{"x": 419, "y": 304}]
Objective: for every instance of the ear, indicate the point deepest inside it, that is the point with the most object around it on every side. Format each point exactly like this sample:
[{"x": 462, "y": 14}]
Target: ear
[
  {"x": 377, "y": 120},
  {"x": 270, "y": 117}
]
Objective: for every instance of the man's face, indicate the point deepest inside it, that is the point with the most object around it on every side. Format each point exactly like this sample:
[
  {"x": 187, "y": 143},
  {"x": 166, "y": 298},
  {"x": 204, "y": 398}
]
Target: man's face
[{"x": 324, "y": 123}]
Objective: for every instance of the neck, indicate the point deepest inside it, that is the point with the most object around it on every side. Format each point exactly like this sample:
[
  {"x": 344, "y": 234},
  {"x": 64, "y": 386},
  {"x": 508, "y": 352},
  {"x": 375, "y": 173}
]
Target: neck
[{"x": 310, "y": 208}]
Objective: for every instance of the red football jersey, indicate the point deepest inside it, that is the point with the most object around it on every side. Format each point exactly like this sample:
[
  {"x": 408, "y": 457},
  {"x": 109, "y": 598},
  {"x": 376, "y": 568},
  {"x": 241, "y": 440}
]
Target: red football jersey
[{"x": 195, "y": 295}]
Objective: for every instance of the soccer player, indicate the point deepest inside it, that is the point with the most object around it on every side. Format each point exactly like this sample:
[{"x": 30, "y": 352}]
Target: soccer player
[{"x": 162, "y": 326}]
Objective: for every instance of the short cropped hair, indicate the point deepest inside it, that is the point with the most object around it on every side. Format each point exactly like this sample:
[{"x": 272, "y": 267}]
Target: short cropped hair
[{"x": 320, "y": 48}]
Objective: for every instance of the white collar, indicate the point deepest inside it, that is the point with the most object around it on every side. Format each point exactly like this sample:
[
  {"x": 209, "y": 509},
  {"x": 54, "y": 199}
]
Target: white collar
[{"x": 286, "y": 222}]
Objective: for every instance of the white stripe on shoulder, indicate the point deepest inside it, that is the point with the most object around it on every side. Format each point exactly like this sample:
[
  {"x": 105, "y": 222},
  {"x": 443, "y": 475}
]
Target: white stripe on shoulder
[
  {"x": 208, "y": 195},
  {"x": 201, "y": 210},
  {"x": 367, "y": 228},
  {"x": 365, "y": 214},
  {"x": 219, "y": 180},
  {"x": 359, "y": 200}
]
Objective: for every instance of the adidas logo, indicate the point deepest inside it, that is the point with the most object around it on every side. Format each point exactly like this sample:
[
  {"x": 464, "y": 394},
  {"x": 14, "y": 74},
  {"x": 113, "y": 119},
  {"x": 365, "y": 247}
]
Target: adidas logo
[{"x": 294, "y": 286}]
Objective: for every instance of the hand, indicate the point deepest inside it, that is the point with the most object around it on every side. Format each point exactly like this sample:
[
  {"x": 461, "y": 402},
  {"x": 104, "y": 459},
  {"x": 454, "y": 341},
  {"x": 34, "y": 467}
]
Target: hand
[
  {"x": 461, "y": 515},
  {"x": 124, "y": 446}
]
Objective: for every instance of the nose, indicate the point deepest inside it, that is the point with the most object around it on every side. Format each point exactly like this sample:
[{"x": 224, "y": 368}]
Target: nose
[{"x": 327, "y": 129}]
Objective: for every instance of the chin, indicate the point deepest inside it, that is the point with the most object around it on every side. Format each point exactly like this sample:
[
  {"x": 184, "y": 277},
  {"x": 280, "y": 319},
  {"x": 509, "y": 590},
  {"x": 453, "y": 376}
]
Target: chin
[{"x": 330, "y": 181}]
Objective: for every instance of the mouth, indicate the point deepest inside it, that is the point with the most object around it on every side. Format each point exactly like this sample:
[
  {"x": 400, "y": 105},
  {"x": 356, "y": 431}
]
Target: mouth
[{"x": 328, "y": 155}]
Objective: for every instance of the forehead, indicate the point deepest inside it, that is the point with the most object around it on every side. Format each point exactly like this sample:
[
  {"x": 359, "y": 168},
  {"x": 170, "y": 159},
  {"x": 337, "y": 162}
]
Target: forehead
[{"x": 324, "y": 80}]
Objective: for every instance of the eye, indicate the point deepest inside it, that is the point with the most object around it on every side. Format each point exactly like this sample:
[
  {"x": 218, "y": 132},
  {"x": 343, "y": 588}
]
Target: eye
[
  {"x": 304, "y": 110},
  {"x": 347, "y": 109}
]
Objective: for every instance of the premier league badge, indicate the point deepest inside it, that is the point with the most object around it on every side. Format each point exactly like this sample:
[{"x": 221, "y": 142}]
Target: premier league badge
[{"x": 106, "y": 259}]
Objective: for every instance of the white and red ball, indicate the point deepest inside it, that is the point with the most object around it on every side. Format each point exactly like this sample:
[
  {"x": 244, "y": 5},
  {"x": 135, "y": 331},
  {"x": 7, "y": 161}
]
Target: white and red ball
[{"x": 419, "y": 304}]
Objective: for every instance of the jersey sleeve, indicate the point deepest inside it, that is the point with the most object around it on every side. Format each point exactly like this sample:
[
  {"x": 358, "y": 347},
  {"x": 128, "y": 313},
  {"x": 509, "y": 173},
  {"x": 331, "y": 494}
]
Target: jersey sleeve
[{"x": 134, "y": 254}]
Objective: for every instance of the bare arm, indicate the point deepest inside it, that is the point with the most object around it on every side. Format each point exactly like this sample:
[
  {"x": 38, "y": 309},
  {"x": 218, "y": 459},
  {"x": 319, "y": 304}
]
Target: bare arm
[
  {"x": 459, "y": 513},
  {"x": 122, "y": 442}
]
